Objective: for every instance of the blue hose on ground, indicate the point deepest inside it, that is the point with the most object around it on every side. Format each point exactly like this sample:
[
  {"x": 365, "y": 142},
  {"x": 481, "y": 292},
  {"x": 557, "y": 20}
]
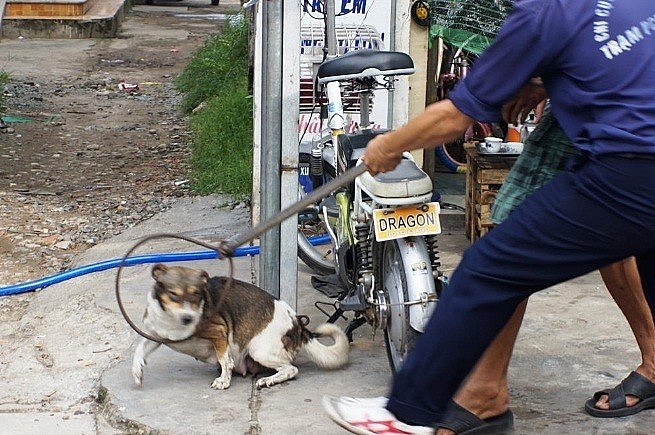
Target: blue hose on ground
[{"x": 133, "y": 261}]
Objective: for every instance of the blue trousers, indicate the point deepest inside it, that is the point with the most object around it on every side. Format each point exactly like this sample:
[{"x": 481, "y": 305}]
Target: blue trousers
[{"x": 599, "y": 211}]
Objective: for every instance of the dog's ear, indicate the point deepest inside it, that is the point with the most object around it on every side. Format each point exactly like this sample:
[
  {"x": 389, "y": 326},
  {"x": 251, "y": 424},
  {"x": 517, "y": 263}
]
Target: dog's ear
[
  {"x": 204, "y": 279},
  {"x": 158, "y": 270}
]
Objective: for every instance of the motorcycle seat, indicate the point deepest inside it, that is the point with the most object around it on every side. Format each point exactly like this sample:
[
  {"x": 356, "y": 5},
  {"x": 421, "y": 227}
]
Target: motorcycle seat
[
  {"x": 406, "y": 181},
  {"x": 365, "y": 63}
]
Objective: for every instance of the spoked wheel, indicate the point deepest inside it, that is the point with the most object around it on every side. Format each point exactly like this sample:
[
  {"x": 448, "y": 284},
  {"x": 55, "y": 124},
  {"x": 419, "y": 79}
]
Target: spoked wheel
[
  {"x": 399, "y": 336},
  {"x": 311, "y": 225},
  {"x": 319, "y": 258}
]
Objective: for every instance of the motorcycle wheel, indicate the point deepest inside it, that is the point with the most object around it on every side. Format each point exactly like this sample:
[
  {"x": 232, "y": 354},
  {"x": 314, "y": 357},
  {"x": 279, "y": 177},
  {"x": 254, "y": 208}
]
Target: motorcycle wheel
[{"x": 399, "y": 336}]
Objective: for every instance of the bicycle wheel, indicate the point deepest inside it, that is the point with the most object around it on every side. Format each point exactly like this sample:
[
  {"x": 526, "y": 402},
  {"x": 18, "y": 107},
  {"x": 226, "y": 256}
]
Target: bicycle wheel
[
  {"x": 319, "y": 258},
  {"x": 453, "y": 156}
]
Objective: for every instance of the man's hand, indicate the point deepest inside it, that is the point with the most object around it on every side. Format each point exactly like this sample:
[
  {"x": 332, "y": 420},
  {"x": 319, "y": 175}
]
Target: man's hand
[
  {"x": 516, "y": 110},
  {"x": 378, "y": 158}
]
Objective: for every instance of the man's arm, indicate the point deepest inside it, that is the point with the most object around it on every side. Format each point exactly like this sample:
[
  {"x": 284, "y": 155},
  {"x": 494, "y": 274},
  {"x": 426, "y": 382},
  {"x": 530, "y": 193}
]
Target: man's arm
[{"x": 441, "y": 122}]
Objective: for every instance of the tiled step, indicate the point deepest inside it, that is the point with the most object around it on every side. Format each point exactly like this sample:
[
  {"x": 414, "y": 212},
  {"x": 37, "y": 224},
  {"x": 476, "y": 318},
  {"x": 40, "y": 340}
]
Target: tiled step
[
  {"x": 45, "y": 8},
  {"x": 62, "y": 18}
]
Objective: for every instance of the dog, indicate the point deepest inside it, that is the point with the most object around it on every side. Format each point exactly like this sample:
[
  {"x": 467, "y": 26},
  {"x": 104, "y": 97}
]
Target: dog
[{"x": 239, "y": 326}]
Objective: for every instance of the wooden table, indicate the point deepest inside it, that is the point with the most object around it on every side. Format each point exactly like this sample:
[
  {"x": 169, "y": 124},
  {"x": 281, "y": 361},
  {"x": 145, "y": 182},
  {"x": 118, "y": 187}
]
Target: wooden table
[{"x": 484, "y": 176}]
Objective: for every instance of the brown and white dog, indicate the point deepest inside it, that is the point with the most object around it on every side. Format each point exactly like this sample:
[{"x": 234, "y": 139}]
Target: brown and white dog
[{"x": 240, "y": 327}]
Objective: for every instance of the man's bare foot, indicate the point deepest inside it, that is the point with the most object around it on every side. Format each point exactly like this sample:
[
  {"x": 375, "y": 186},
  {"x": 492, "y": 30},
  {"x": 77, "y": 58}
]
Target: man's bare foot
[
  {"x": 604, "y": 402},
  {"x": 633, "y": 394},
  {"x": 630, "y": 400}
]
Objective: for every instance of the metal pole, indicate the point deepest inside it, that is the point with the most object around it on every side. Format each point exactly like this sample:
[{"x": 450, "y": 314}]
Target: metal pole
[
  {"x": 434, "y": 50},
  {"x": 271, "y": 141},
  {"x": 288, "y": 278},
  {"x": 330, "y": 29},
  {"x": 391, "y": 41}
]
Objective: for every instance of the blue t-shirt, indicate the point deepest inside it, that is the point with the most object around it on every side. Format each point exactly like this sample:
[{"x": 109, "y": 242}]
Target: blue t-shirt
[{"x": 597, "y": 61}]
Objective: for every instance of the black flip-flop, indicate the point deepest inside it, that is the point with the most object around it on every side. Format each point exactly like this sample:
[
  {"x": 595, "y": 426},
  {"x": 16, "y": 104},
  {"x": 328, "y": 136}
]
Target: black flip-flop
[
  {"x": 634, "y": 385},
  {"x": 463, "y": 422}
]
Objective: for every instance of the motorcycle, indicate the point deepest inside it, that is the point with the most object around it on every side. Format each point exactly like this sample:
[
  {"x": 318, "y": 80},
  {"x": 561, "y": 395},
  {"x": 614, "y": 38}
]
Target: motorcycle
[{"x": 382, "y": 263}]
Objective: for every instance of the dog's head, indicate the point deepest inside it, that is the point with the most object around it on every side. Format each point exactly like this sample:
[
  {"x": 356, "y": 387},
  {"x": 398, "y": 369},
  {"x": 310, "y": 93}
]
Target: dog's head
[{"x": 180, "y": 292}]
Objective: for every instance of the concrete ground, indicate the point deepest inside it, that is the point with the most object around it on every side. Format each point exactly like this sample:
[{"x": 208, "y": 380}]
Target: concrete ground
[
  {"x": 66, "y": 352},
  {"x": 68, "y": 369}
]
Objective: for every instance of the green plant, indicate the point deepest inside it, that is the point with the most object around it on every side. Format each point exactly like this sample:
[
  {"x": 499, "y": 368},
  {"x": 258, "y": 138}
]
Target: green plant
[
  {"x": 222, "y": 143},
  {"x": 4, "y": 79},
  {"x": 217, "y": 76},
  {"x": 220, "y": 62}
]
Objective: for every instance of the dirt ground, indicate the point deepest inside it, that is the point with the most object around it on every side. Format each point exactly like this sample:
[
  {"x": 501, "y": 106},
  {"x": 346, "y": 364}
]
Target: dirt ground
[{"x": 92, "y": 159}]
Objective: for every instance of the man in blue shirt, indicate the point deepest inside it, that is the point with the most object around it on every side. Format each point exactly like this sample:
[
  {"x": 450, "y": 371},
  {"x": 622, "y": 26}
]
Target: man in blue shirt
[{"x": 597, "y": 60}]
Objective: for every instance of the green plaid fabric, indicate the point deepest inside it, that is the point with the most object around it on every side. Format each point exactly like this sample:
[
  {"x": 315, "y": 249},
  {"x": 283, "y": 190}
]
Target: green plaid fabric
[{"x": 545, "y": 153}]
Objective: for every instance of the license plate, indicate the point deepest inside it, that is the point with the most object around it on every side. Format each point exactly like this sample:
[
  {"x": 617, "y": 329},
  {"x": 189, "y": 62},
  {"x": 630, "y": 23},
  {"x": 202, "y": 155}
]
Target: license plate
[{"x": 414, "y": 220}]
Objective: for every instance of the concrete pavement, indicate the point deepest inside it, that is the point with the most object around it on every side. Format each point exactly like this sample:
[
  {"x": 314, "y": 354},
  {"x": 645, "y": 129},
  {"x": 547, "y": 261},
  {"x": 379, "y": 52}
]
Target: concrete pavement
[{"x": 66, "y": 354}]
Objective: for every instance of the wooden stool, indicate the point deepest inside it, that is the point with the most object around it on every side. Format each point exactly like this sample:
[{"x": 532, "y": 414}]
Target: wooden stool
[{"x": 484, "y": 176}]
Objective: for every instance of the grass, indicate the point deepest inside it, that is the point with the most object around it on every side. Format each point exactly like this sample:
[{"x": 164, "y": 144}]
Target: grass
[
  {"x": 217, "y": 65},
  {"x": 222, "y": 144},
  {"x": 216, "y": 77},
  {"x": 4, "y": 79}
]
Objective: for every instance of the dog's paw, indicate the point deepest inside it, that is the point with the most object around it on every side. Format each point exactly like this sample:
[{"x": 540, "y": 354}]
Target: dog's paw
[
  {"x": 138, "y": 379},
  {"x": 266, "y": 382},
  {"x": 137, "y": 374},
  {"x": 261, "y": 383},
  {"x": 221, "y": 384}
]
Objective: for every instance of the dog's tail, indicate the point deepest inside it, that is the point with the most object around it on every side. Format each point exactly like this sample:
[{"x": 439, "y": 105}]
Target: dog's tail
[{"x": 330, "y": 356}]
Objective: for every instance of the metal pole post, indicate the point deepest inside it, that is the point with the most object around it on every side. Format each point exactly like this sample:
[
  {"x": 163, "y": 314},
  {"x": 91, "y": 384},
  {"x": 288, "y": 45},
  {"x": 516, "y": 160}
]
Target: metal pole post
[
  {"x": 330, "y": 29},
  {"x": 288, "y": 278},
  {"x": 271, "y": 140},
  {"x": 434, "y": 52},
  {"x": 277, "y": 112}
]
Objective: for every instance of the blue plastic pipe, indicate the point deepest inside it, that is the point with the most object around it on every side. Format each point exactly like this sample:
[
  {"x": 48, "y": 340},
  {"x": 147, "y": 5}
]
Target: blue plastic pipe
[{"x": 133, "y": 261}]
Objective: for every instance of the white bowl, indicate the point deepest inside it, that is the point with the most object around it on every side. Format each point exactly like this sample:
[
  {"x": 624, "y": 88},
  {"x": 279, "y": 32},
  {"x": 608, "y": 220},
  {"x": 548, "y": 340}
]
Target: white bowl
[
  {"x": 512, "y": 147},
  {"x": 491, "y": 145}
]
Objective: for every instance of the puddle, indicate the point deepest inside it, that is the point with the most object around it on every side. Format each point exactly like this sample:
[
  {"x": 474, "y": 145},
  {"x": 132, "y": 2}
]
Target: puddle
[
  {"x": 15, "y": 119},
  {"x": 204, "y": 16}
]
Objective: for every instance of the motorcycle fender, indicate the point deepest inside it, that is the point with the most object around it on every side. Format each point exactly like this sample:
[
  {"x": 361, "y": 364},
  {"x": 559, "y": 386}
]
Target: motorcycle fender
[{"x": 420, "y": 281}]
